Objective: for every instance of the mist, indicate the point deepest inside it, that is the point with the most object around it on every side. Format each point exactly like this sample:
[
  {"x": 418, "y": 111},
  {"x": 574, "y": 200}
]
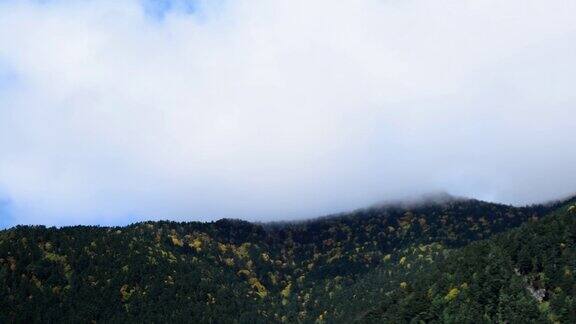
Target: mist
[{"x": 114, "y": 112}]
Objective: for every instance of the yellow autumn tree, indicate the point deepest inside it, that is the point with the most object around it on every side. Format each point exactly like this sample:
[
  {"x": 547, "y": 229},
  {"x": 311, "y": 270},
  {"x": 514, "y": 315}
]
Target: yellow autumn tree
[
  {"x": 176, "y": 241},
  {"x": 196, "y": 244},
  {"x": 452, "y": 294},
  {"x": 259, "y": 287}
]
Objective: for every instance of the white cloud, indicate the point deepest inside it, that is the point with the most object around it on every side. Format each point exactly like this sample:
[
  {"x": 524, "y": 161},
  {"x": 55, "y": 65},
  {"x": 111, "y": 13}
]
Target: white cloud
[{"x": 272, "y": 109}]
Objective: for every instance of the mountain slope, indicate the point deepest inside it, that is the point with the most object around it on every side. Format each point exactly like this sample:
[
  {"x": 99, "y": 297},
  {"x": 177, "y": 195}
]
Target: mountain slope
[
  {"x": 234, "y": 271},
  {"x": 525, "y": 275}
]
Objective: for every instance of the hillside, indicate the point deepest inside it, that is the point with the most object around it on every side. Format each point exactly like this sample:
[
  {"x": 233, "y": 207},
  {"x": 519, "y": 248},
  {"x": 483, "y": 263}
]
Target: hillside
[
  {"x": 525, "y": 275},
  {"x": 455, "y": 260}
]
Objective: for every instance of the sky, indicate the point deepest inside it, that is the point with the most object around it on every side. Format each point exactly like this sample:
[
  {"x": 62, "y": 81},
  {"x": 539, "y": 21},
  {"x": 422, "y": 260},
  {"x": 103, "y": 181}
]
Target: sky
[{"x": 113, "y": 112}]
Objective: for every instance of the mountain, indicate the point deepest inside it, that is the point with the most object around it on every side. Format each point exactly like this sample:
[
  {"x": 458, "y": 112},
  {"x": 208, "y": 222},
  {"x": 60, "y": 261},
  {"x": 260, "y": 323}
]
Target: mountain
[
  {"x": 524, "y": 275},
  {"x": 442, "y": 260}
]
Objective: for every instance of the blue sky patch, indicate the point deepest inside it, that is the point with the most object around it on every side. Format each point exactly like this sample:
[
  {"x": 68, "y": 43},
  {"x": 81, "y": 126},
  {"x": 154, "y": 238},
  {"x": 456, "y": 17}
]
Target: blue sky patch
[
  {"x": 159, "y": 8},
  {"x": 7, "y": 76}
]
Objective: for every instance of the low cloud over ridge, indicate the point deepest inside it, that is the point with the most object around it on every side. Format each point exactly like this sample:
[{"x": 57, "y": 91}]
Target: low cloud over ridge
[{"x": 271, "y": 109}]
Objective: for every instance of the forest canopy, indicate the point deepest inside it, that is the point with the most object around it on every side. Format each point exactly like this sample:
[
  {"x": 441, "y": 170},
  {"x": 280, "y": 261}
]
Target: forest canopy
[{"x": 455, "y": 261}]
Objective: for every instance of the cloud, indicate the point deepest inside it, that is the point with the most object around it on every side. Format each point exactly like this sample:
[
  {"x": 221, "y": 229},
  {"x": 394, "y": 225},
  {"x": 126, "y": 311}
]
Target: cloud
[{"x": 112, "y": 112}]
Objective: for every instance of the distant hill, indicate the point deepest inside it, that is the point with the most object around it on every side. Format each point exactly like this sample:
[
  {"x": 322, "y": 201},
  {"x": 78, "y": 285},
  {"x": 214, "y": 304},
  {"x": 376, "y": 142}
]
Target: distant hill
[{"x": 445, "y": 260}]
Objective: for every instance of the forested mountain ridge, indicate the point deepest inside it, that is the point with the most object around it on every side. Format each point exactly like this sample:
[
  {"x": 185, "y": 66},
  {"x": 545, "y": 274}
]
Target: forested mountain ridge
[
  {"x": 236, "y": 271},
  {"x": 524, "y": 275}
]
